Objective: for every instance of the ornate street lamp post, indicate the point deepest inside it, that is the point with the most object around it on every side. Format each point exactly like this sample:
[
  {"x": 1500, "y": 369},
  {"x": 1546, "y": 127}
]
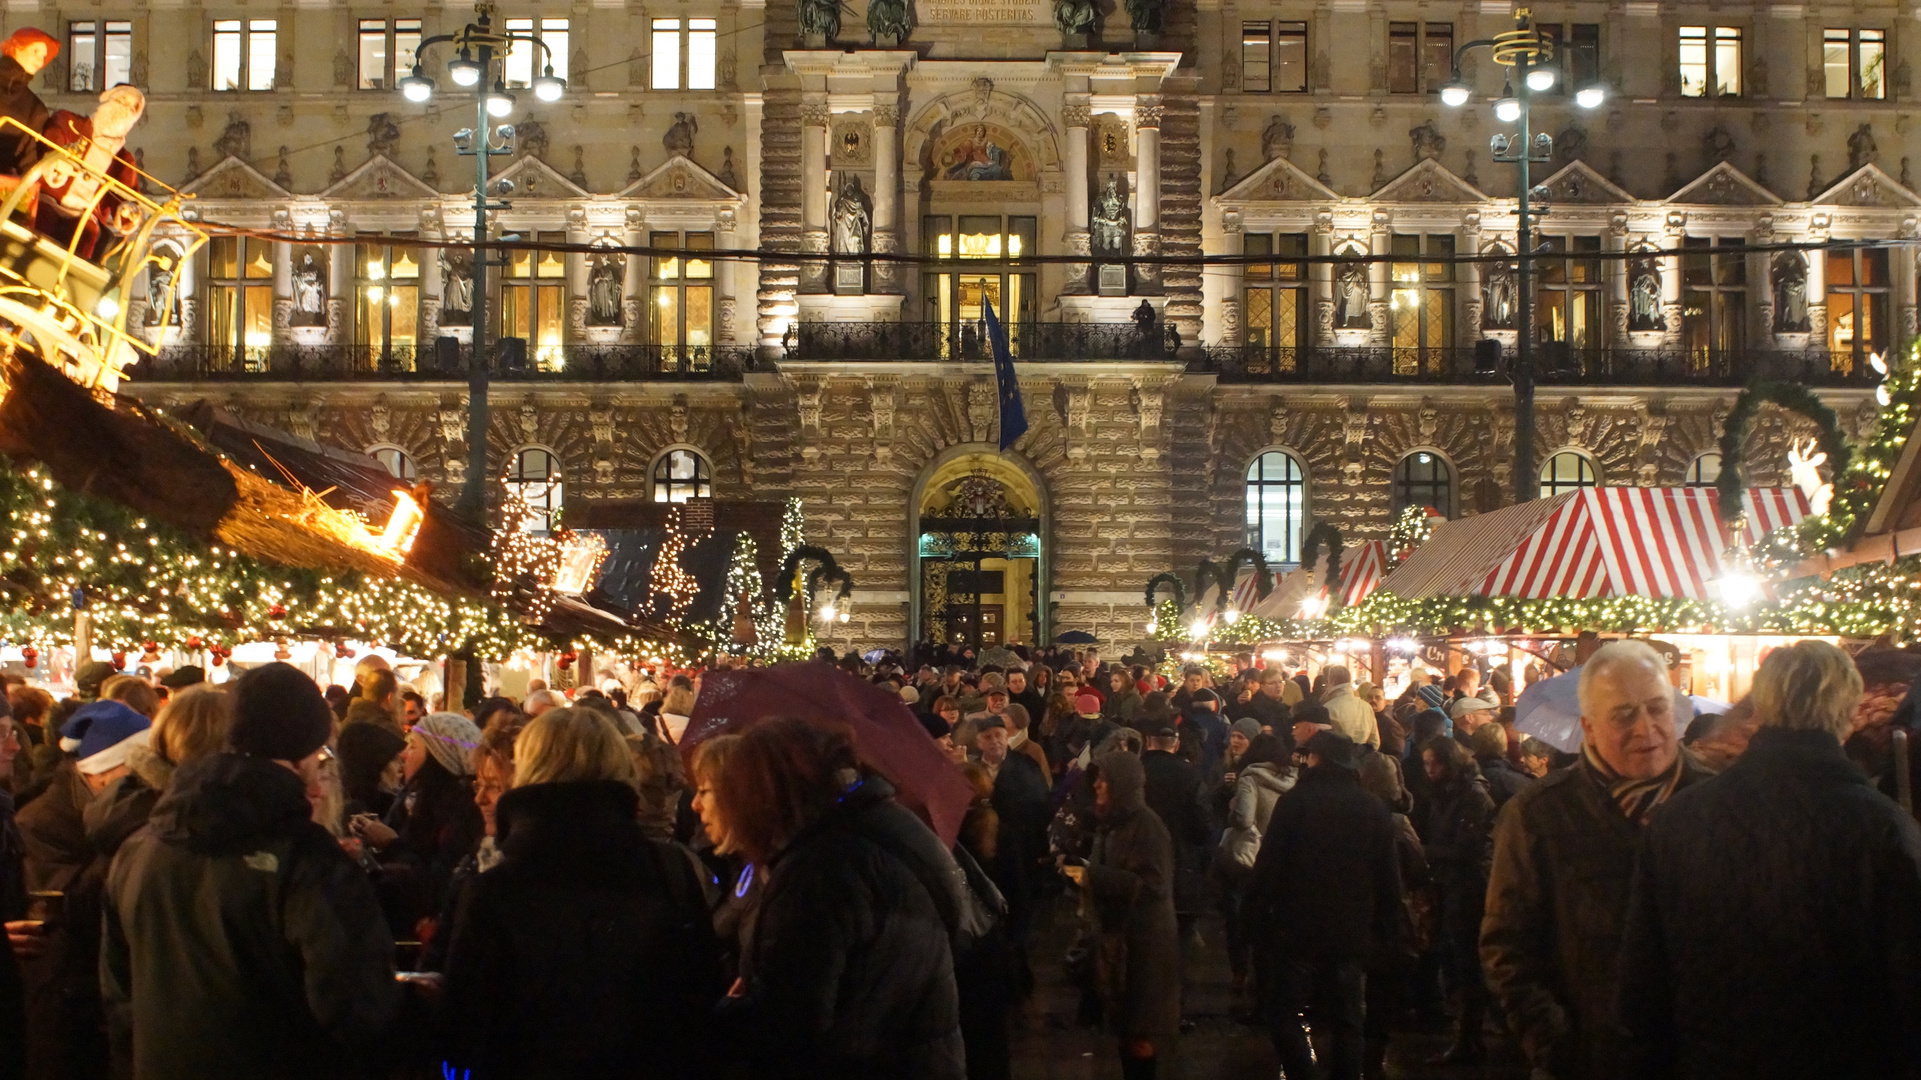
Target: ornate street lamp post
[
  {"x": 480, "y": 63},
  {"x": 1529, "y": 54}
]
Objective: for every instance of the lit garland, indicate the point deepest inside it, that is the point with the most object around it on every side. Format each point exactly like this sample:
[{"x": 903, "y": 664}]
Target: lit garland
[
  {"x": 671, "y": 587},
  {"x": 1857, "y": 488},
  {"x": 524, "y": 564},
  {"x": 1410, "y": 531}
]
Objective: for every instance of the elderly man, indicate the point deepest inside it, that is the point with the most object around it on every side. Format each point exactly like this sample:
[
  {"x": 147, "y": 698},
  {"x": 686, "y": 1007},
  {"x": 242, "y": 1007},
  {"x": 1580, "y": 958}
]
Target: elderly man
[
  {"x": 1352, "y": 717},
  {"x": 1563, "y": 856}
]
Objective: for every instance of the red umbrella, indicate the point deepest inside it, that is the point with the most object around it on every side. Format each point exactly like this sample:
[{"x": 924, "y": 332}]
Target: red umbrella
[{"x": 886, "y": 735}]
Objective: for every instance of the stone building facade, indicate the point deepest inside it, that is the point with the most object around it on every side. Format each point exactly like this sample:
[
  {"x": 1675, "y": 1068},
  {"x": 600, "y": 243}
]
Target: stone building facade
[{"x": 1247, "y": 238}]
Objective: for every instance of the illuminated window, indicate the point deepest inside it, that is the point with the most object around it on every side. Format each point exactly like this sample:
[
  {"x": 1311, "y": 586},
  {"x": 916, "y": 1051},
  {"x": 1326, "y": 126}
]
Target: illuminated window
[
  {"x": 1276, "y": 506},
  {"x": 1704, "y": 470},
  {"x": 1857, "y": 305},
  {"x": 683, "y": 308},
  {"x": 240, "y": 299},
  {"x": 1421, "y": 305},
  {"x": 387, "y": 51},
  {"x": 1275, "y": 294},
  {"x": 526, "y": 60},
  {"x": 243, "y": 54},
  {"x": 1423, "y": 479},
  {"x": 693, "y": 40},
  {"x": 100, "y": 55},
  {"x": 1568, "y": 305},
  {"x": 533, "y": 299},
  {"x": 1710, "y": 61},
  {"x": 1714, "y": 298},
  {"x": 1569, "y": 470},
  {"x": 387, "y": 303},
  {"x": 1420, "y": 57},
  {"x": 396, "y": 461},
  {"x": 1853, "y": 62},
  {"x": 535, "y": 477},
  {"x": 955, "y": 294},
  {"x": 680, "y": 475}
]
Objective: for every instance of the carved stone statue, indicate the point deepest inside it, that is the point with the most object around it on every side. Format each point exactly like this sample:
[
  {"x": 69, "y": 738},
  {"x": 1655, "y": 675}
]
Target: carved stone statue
[
  {"x": 236, "y": 139},
  {"x": 309, "y": 292},
  {"x": 161, "y": 305},
  {"x": 1861, "y": 147},
  {"x": 530, "y": 138},
  {"x": 1720, "y": 144},
  {"x": 604, "y": 272},
  {"x": 726, "y": 173},
  {"x": 1145, "y": 15},
  {"x": 1108, "y": 229},
  {"x": 383, "y": 135},
  {"x": 887, "y": 20},
  {"x": 1499, "y": 293},
  {"x": 343, "y": 69},
  {"x": 1277, "y": 140},
  {"x": 1790, "y": 293},
  {"x": 820, "y": 17},
  {"x": 1075, "y": 16},
  {"x": 1230, "y": 173},
  {"x": 1644, "y": 296},
  {"x": 1350, "y": 301},
  {"x": 456, "y": 288},
  {"x": 853, "y": 218},
  {"x": 680, "y": 135},
  {"x": 1427, "y": 140}
]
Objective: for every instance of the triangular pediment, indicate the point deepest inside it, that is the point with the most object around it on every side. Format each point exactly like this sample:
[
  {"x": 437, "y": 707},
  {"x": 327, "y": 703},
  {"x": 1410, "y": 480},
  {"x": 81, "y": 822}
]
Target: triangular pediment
[
  {"x": 535, "y": 179},
  {"x": 1579, "y": 185},
  {"x": 1724, "y": 185},
  {"x": 1868, "y": 186},
  {"x": 1429, "y": 182},
  {"x": 233, "y": 178},
  {"x": 680, "y": 178},
  {"x": 380, "y": 178},
  {"x": 1279, "y": 180}
]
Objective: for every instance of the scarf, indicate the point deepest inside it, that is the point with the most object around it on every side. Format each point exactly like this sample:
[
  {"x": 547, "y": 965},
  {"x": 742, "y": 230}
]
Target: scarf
[{"x": 1636, "y": 798}]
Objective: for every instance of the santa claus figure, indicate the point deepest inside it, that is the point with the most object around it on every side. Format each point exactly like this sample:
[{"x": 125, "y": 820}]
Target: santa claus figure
[{"x": 70, "y": 193}]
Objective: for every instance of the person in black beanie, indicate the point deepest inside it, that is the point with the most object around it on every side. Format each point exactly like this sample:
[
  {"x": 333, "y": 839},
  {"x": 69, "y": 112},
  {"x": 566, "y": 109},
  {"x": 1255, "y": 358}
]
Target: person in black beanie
[{"x": 291, "y": 974}]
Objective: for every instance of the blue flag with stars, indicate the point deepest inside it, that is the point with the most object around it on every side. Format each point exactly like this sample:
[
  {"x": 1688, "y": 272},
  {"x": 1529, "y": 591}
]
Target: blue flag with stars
[{"x": 1013, "y": 413}]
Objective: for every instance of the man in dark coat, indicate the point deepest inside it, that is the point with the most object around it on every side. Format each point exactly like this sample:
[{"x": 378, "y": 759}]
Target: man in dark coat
[
  {"x": 1563, "y": 857},
  {"x": 1772, "y": 929},
  {"x": 1174, "y": 793},
  {"x": 240, "y": 941},
  {"x": 1021, "y": 801},
  {"x": 22, "y": 55},
  {"x": 1324, "y": 896}
]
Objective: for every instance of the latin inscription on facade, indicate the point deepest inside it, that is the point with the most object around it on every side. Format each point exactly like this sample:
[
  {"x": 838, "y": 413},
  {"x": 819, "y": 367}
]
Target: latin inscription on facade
[{"x": 984, "y": 13}]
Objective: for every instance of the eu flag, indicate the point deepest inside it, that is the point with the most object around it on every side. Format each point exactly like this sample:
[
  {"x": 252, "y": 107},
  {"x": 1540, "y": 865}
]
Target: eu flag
[{"x": 1013, "y": 413}]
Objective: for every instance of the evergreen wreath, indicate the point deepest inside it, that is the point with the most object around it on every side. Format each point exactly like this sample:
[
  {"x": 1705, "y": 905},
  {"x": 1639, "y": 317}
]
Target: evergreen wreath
[{"x": 1732, "y": 483}]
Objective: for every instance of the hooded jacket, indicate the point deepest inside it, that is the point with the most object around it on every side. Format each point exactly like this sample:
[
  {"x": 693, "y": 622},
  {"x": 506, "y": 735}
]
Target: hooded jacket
[
  {"x": 1256, "y": 791},
  {"x": 240, "y": 941},
  {"x": 1130, "y": 880}
]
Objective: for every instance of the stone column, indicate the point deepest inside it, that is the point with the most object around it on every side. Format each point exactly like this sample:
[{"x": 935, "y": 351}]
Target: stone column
[
  {"x": 813, "y": 191},
  {"x": 886, "y": 276},
  {"x": 429, "y": 284},
  {"x": 633, "y": 287},
  {"x": 1147, "y": 189},
  {"x": 1076, "y": 116},
  {"x": 1320, "y": 289},
  {"x": 1231, "y": 275},
  {"x": 1470, "y": 282},
  {"x": 575, "y": 328},
  {"x": 282, "y": 289},
  {"x": 1614, "y": 241},
  {"x": 726, "y": 310},
  {"x": 1671, "y": 285},
  {"x": 1817, "y": 297},
  {"x": 340, "y": 281},
  {"x": 1380, "y": 281}
]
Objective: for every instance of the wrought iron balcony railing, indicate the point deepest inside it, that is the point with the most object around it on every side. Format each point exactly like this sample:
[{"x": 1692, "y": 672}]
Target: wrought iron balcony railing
[
  {"x": 935, "y": 341},
  {"x": 1555, "y": 365},
  {"x": 372, "y": 363}
]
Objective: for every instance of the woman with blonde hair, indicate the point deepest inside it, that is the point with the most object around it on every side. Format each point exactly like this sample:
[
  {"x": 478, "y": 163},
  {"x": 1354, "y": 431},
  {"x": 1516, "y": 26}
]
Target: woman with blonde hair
[
  {"x": 587, "y": 951},
  {"x": 193, "y": 724}
]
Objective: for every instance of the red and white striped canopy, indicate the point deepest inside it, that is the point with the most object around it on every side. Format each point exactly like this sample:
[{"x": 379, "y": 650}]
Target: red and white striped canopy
[
  {"x": 1595, "y": 542},
  {"x": 1362, "y": 568}
]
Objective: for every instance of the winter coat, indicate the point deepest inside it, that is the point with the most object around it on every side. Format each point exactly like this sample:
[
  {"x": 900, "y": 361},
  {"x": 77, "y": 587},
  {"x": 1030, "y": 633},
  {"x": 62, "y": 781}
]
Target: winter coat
[
  {"x": 438, "y": 825},
  {"x": 1353, "y": 717},
  {"x": 1272, "y": 713},
  {"x": 62, "y": 983},
  {"x": 588, "y": 952},
  {"x": 1551, "y": 935},
  {"x": 13, "y": 905},
  {"x": 1455, "y": 834},
  {"x": 1129, "y": 884},
  {"x": 240, "y": 941},
  {"x": 848, "y": 968},
  {"x": 1122, "y": 707},
  {"x": 1256, "y": 790},
  {"x": 1504, "y": 779},
  {"x": 1772, "y": 931},
  {"x": 1326, "y": 884}
]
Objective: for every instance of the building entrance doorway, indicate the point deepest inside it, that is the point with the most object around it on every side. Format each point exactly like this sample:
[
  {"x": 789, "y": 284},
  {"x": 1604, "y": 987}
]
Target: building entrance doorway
[{"x": 978, "y": 543}]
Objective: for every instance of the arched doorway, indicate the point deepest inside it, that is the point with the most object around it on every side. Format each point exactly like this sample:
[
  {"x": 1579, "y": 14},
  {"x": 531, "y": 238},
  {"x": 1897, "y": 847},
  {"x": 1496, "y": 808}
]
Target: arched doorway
[{"x": 979, "y": 559}]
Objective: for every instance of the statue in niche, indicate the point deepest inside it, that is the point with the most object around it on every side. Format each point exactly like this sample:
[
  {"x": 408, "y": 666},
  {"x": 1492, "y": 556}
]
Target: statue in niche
[
  {"x": 236, "y": 139},
  {"x": 1861, "y": 147},
  {"x": 1108, "y": 229},
  {"x": 680, "y": 135},
  {"x": 1278, "y": 140},
  {"x": 1644, "y": 296},
  {"x": 1427, "y": 140},
  {"x": 726, "y": 173},
  {"x": 604, "y": 272},
  {"x": 160, "y": 274},
  {"x": 456, "y": 288},
  {"x": 887, "y": 19},
  {"x": 309, "y": 292},
  {"x": 1350, "y": 301},
  {"x": 1791, "y": 293},
  {"x": 1499, "y": 292},
  {"x": 1145, "y": 15},
  {"x": 820, "y": 18},
  {"x": 383, "y": 135},
  {"x": 853, "y": 218},
  {"x": 530, "y": 137},
  {"x": 1075, "y": 16}
]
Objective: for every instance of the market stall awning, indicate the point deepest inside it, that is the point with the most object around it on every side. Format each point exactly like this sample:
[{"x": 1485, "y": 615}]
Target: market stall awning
[
  {"x": 1362, "y": 568},
  {"x": 1595, "y": 542}
]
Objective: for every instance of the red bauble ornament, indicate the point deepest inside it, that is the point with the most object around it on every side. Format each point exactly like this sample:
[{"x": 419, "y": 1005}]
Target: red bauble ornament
[
  {"x": 567, "y": 659},
  {"x": 342, "y": 652},
  {"x": 278, "y": 611},
  {"x": 30, "y": 655},
  {"x": 195, "y": 643},
  {"x": 119, "y": 660}
]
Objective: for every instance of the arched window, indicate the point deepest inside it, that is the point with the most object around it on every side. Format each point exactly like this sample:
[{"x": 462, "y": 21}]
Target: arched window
[
  {"x": 1423, "y": 479},
  {"x": 1276, "y": 506},
  {"x": 1569, "y": 470},
  {"x": 1705, "y": 470},
  {"x": 535, "y": 477},
  {"x": 396, "y": 461},
  {"x": 680, "y": 475}
]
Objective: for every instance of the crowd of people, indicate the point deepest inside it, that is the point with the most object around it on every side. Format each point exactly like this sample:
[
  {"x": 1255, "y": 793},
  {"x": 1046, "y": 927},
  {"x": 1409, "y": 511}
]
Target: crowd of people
[{"x": 268, "y": 879}]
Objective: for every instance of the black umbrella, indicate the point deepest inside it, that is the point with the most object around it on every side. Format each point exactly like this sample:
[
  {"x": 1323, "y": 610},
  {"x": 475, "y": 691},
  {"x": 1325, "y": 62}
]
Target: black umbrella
[{"x": 1076, "y": 637}]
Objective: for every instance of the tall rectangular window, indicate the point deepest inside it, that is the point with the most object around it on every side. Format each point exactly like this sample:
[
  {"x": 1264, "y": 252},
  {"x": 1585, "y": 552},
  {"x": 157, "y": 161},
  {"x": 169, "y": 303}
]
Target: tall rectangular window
[
  {"x": 1577, "y": 53},
  {"x": 1710, "y": 60},
  {"x": 694, "y": 39},
  {"x": 240, "y": 300},
  {"x": 1257, "y": 57},
  {"x": 1853, "y": 63},
  {"x": 1437, "y": 56},
  {"x": 100, "y": 55},
  {"x": 1568, "y": 308},
  {"x": 387, "y": 303},
  {"x": 683, "y": 307},
  {"x": 1714, "y": 300},
  {"x": 1857, "y": 306},
  {"x": 243, "y": 54},
  {"x": 1420, "y": 56},
  {"x": 526, "y": 60},
  {"x": 666, "y": 54},
  {"x": 1421, "y": 303},
  {"x": 532, "y": 299},
  {"x": 1290, "y": 57},
  {"x": 387, "y": 51},
  {"x": 702, "y": 37},
  {"x": 1275, "y": 297}
]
